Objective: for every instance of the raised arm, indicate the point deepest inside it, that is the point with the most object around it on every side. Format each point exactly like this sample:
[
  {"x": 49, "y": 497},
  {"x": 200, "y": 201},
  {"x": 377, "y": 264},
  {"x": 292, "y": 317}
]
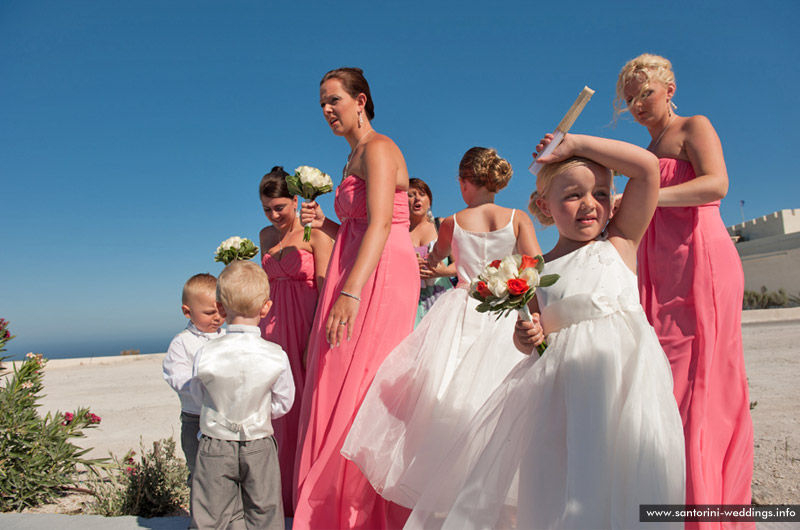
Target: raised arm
[
  {"x": 311, "y": 213},
  {"x": 442, "y": 247},
  {"x": 704, "y": 151}
]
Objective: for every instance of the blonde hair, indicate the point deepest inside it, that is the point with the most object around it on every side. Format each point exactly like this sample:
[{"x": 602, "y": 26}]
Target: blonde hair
[
  {"x": 645, "y": 68},
  {"x": 243, "y": 288},
  {"x": 545, "y": 178},
  {"x": 199, "y": 283},
  {"x": 484, "y": 167}
]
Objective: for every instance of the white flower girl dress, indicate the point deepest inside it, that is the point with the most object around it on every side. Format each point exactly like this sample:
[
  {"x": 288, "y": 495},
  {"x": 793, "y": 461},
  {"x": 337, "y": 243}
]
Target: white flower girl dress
[
  {"x": 429, "y": 388},
  {"x": 580, "y": 437}
]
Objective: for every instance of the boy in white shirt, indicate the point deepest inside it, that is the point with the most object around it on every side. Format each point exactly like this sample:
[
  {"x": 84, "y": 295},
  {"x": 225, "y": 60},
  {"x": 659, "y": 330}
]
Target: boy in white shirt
[
  {"x": 199, "y": 305},
  {"x": 243, "y": 382}
]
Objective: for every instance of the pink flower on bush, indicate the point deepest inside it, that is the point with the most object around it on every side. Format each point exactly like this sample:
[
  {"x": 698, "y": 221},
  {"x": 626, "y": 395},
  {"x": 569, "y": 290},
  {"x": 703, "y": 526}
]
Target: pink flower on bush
[
  {"x": 94, "y": 418},
  {"x": 68, "y": 416}
]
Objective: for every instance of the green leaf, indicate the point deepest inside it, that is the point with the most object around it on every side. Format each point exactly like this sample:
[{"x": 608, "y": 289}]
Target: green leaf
[{"x": 548, "y": 279}]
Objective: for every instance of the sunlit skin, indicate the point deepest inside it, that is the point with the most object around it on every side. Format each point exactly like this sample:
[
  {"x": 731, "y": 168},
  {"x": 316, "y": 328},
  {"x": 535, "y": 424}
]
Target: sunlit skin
[
  {"x": 286, "y": 235},
  {"x": 692, "y": 139},
  {"x": 422, "y": 232},
  {"x": 375, "y": 159},
  {"x": 201, "y": 309},
  {"x": 579, "y": 201}
]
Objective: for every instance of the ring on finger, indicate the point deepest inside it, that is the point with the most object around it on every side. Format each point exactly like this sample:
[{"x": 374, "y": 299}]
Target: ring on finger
[{"x": 342, "y": 322}]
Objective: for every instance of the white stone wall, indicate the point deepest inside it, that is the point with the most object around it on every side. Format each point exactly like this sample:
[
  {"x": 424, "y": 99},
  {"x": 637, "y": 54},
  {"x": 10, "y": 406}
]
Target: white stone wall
[{"x": 775, "y": 224}]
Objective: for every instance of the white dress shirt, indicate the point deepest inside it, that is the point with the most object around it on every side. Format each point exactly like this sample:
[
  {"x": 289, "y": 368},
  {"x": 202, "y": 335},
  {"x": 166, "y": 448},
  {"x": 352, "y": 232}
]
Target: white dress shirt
[
  {"x": 178, "y": 363},
  {"x": 243, "y": 382}
]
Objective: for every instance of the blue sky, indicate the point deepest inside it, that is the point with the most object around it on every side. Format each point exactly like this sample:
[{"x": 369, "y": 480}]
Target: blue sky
[{"x": 134, "y": 134}]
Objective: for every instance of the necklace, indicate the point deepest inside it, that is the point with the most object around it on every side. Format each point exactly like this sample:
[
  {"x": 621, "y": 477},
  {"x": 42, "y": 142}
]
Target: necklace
[
  {"x": 653, "y": 146},
  {"x": 347, "y": 165},
  {"x": 280, "y": 239}
]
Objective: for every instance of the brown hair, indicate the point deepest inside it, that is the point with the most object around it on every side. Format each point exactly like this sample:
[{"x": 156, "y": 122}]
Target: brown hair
[
  {"x": 243, "y": 288},
  {"x": 354, "y": 83},
  {"x": 419, "y": 184},
  {"x": 273, "y": 184},
  {"x": 645, "y": 68},
  {"x": 198, "y": 283},
  {"x": 484, "y": 167}
]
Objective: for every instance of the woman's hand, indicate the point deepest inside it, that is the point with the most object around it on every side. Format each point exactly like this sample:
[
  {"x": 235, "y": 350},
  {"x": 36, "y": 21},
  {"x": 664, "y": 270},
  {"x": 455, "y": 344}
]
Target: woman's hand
[
  {"x": 428, "y": 272},
  {"x": 341, "y": 319},
  {"x": 311, "y": 213},
  {"x": 528, "y": 335}
]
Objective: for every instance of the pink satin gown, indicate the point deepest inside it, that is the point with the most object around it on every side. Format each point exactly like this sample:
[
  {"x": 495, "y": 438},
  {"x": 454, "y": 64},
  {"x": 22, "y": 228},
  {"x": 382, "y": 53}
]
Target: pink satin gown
[
  {"x": 691, "y": 286},
  {"x": 293, "y": 289},
  {"x": 331, "y": 491}
]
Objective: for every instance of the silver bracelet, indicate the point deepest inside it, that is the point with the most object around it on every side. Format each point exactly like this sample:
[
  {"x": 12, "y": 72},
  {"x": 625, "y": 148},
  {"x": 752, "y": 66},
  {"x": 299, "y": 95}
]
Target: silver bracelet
[{"x": 354, "y": 297}]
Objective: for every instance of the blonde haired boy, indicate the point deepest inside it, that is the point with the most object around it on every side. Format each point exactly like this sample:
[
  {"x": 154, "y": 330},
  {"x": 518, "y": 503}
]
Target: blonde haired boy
[
  {"x": 243, "y": 382},
  {"x": 199, "y": 306}
]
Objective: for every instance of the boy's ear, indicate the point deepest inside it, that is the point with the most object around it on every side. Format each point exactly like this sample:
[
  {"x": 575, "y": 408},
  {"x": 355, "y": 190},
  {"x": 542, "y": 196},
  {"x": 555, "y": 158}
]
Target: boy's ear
[
  {"x": 185, "y": 309},
  {"x": 221, "y": 310},
  {"x": 265, "y": 309}
]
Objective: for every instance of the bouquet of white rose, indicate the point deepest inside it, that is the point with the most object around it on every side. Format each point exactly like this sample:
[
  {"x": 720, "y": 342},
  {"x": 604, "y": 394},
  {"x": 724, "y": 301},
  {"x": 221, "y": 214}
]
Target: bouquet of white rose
[
  {"x": 510, "y": 283},
  {"x": 309, "y": 183},
  {"x": 235, "y": 248}
]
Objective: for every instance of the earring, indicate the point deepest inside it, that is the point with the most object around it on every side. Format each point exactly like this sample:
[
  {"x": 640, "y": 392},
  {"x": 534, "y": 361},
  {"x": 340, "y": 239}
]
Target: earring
[{"x": 360, "y": 120}]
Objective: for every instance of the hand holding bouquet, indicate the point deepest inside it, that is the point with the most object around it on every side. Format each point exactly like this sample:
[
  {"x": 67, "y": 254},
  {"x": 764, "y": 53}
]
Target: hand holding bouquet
[
  {"x": 309, "y": 183},
  {"x": 510, "y": 283},
  {"x": 235, "y": 248}
]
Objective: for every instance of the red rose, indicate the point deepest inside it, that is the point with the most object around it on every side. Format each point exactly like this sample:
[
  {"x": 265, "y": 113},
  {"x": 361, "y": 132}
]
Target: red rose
[
  {"x": 517, "y": 286},
  {"x": 528, "y": 261},
  {"x": 495, "y": 263},
  {"x": 483, "y": 289}
]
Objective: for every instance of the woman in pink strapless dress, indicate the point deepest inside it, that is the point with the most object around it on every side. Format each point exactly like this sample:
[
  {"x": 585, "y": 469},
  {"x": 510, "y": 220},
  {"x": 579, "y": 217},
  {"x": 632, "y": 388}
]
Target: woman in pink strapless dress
[
  {"x": 296, "y": 269},
  {"x": 367, "y": 307},
  {"x": 691, "y": 285}
]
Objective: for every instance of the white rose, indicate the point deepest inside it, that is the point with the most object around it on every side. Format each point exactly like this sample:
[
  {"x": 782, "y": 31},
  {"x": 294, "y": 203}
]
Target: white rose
[
  {"x": 507, "y": 269},
  {"x": 498, "y": 287},
  {"x": 530, "y": 275},
  {"x": 231, "y": 242}
]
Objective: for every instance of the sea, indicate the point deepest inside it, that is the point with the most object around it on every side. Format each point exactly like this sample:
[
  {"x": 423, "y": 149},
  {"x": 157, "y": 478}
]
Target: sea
[{"x": 75, "y": 347}]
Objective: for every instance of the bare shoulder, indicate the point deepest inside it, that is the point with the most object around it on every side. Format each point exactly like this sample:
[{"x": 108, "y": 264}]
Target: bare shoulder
[
  {"x": 268, "y": 235},
  {"x": 698, "y": 125}
]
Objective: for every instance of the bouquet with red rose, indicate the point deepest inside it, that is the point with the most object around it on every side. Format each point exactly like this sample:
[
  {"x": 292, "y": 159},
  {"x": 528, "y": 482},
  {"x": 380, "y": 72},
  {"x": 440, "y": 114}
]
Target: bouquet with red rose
[{"x": 510, "y": 283}]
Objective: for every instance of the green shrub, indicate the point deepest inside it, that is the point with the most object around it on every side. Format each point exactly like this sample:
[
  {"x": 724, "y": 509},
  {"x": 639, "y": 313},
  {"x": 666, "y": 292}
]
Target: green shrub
[
  {"x": 37, "y": 458},
  {"x": 768, "y": 299},
  {"x": 5, "y": 336},
  {"x": 154, "y": 486}
]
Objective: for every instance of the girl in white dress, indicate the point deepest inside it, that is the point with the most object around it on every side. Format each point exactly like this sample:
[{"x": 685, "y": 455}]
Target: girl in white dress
[
  {"x": 428, "y": 389},
  {"x": 584, "y": 435}
]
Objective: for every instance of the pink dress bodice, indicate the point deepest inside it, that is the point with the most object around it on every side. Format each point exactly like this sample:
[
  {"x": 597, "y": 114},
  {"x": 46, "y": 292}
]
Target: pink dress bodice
[{"x": 351, "y": 203}]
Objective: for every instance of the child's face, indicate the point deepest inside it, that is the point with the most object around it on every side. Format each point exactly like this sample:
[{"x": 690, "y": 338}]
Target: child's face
[
  {"x": 579, "y": 200},
  {"x": 201, "y": 309}
]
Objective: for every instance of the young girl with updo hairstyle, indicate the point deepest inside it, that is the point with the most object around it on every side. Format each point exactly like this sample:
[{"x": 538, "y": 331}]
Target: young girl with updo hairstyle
[
  {"x": 424, "y": 231},
  {"x": 691, "y": 286},
  {"x": 430, "y": 386},
  {"x": 296, "y": 271},
  {"x": 366, "y": 308}
]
